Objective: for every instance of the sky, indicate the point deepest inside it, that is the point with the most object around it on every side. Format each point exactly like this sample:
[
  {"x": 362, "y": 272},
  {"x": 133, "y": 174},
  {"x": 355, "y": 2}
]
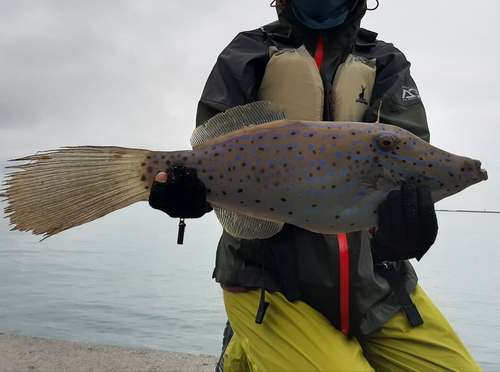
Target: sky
[{"x": 130, "y": 73}]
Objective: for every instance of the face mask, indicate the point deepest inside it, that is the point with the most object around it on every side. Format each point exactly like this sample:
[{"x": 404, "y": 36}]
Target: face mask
[{"x": 321, "y": 14}]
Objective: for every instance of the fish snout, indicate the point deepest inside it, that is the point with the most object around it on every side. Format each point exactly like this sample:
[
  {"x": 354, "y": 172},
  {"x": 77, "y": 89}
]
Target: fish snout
[{"x": 473, "y": 167}]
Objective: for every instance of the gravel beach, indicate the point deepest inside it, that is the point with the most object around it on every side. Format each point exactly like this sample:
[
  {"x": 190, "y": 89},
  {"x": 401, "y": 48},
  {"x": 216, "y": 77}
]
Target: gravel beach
[{"x": 20, "y": 353}]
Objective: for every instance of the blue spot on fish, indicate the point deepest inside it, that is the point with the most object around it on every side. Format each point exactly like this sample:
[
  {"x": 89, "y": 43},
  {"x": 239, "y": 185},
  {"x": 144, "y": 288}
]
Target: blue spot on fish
[
  {"x": 275, "y": 136},
  {"x": 358, "y": 142},
  {"x": 310, "y": 134},
  {"x": 216, "y": 153},
  {"x": 345, "y": 170},
  {"x": 290, "y": 146},
  {"x": 271, "y": 162},
  {"x": 322, "y": 148},
  {"x": 258, "y": 137},
  {"x": 300, "y": 157},
  {"x": 338, "y": 154},
  {"x": 310, "y": 146}
]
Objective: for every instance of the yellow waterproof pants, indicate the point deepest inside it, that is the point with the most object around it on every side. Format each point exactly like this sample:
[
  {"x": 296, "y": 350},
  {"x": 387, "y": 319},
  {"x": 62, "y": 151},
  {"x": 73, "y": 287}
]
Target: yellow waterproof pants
[{"x": 295, "y": 337}]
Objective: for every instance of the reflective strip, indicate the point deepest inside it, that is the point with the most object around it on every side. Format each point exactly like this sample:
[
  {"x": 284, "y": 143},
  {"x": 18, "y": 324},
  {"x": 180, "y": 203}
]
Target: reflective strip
[{"x": 344, "y": 283}]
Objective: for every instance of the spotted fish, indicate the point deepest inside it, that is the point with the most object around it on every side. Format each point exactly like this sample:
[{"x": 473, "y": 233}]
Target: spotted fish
[{"x": 260, "y": 170}]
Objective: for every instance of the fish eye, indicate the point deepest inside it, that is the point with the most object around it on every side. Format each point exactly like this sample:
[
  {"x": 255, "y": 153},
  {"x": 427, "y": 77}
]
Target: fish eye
[{"x": 386, "y": 141}]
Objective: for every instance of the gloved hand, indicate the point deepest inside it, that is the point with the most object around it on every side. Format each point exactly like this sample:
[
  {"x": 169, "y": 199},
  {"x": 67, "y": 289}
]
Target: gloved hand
[
  {"x": 182, "y": 195},
  {"x": 407, "y": 224}
]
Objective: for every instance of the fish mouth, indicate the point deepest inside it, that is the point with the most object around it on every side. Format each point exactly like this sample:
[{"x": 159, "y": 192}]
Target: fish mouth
[{"x": 474, "y": 166}]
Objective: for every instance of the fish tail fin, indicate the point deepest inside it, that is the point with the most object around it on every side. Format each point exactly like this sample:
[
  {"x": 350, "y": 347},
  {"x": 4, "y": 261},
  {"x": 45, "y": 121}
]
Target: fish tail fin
[{"x": 59, "y": 189}]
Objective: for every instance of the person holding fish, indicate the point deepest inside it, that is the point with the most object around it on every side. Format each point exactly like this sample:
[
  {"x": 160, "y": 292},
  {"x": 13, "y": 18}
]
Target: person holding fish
[{"x": 298, "y": 299}]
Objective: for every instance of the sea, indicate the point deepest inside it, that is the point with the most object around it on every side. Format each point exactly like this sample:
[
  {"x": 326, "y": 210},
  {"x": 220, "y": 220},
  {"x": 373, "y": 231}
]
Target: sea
[{"x": 123, "y": 280}]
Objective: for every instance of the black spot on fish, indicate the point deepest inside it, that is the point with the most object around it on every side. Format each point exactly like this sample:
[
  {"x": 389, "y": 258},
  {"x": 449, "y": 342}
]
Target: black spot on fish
[
  {"x": 290, "y": 213},
  {"x": 337, "y": 217},
  {"x": 143, "y": 164},
  {"x": 143, "y": 178},
  {"x": 257, "y": 201},
  {"x": 314, "y": 205},
  {"x": 146, "y": 187},
  {"x": 200, "y": 162},
  {"x": 185, "y": 158},
  {"x": 430, "y": 165},
  {"x": 163, "y": 156},
  {"x": 271, "y": 209},
  {"x": 283, "y": 199},
  {"x": 209, "y": 191},
  {"x": 149, "y": 169},
  {"x": 224, "y": 193},
  {"x": 221, "y": 176},
  {"x": 240, "y": 191},
  {"x": 168, "y": 162},
  {"x": 210, "y": 177}
]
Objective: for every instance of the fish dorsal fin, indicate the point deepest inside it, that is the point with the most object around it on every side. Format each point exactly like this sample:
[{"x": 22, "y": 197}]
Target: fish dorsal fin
[
  {"x": 246, "y": 227},
  {"x": 236, "y": 118}
]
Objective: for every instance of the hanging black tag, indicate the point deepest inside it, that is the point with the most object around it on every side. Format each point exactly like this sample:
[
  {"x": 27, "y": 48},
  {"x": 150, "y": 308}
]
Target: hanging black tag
[{"x": 180, "y": 234}]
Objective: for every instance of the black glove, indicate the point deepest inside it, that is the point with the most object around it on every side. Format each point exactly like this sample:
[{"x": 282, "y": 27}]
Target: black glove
[
  {"x": 407, "y": 224},
  {"x": 183, "y": 195}
]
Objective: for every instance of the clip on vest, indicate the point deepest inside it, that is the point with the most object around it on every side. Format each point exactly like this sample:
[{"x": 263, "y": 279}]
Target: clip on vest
[{"x": 180, "y": 233}]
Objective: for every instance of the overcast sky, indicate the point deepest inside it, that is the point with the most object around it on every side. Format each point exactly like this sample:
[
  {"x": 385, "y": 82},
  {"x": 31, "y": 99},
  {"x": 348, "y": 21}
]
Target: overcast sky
[{"x": 130, "y": 73}]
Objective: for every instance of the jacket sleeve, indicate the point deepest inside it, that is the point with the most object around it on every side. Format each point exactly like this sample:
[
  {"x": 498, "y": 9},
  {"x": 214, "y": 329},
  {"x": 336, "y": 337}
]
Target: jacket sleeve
[
  {"x": 395, "y": 88},
  {"x": 236, "y": 76}
]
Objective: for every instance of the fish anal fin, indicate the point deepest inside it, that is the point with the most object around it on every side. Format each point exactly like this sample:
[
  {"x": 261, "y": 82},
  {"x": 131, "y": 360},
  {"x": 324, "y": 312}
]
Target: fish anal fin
[{"x": 246, "y": 227}]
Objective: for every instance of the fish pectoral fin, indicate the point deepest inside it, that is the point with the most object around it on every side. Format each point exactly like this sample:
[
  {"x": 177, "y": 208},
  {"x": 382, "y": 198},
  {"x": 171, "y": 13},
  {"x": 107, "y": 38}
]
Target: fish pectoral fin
[
  {"x": 246, "y": 227},
  {"x": 380, "y": 182}
]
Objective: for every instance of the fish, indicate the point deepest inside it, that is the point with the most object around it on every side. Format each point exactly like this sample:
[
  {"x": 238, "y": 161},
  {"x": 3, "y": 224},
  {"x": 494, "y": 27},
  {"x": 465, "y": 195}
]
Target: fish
[{"x": 261, "y": 170}]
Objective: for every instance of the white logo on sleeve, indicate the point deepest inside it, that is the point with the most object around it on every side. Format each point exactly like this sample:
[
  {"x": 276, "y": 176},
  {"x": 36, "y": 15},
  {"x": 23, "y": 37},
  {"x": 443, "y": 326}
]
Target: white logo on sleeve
[{"x": 410, "y": 94}]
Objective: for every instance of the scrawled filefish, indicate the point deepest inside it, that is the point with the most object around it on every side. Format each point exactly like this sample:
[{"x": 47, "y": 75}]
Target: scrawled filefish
[{"x": 260, "y": 169}]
